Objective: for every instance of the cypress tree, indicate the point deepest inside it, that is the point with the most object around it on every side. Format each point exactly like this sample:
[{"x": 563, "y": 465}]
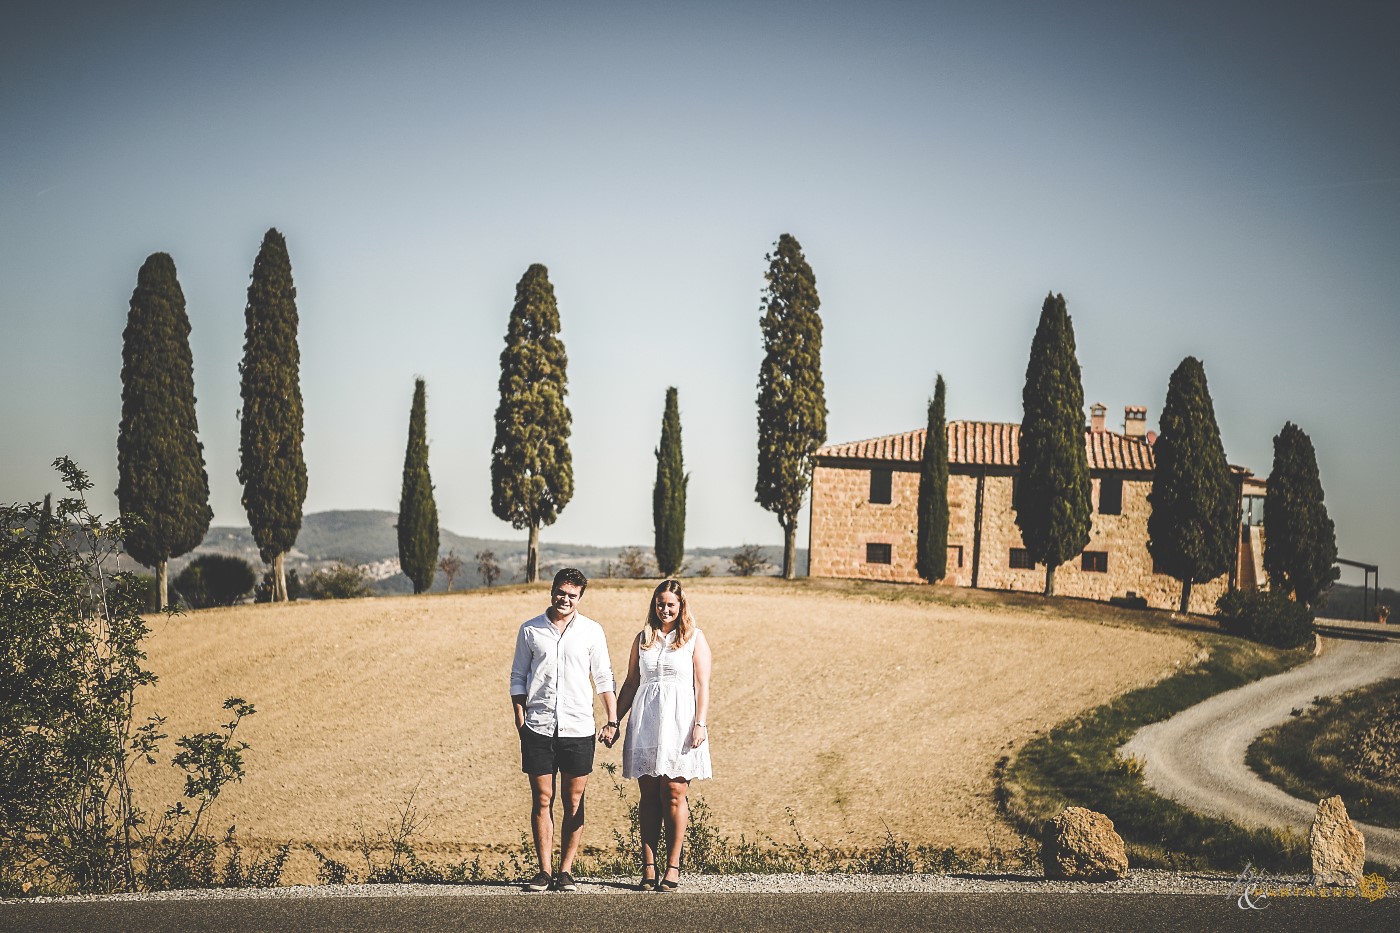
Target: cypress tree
[
  {"x": 1300, "y": 542},
  {"x": 668, "y": 495},
  {"x": 1052, "y": 489},
  {"x": 272, "y": 470},
  {"x": 418, "y": 518},
  {"x": 532, "y": 471},
  {"x": 791, "y": 395},
  {"x": 162, "y": 485},
  {"x": 932, "y": 554},
  {"x": 1191, "y": 528}
]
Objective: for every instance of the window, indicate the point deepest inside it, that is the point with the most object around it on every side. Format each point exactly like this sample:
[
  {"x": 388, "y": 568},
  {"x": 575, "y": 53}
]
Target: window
[
  {"x": 1110, "y": 496},
  {"x": 1021, "y": 559},
  {"x": 878, "y": 554},
  {"x": 880, "y": 486},
  {"x": 955, "y": 555},
  {"x": 1094, "y": 561}
]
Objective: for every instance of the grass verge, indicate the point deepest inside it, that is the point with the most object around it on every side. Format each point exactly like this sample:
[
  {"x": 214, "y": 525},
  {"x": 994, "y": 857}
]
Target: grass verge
[
  {"x": 1325, "y": 751},
  {"x": 1075, "y": 765}
]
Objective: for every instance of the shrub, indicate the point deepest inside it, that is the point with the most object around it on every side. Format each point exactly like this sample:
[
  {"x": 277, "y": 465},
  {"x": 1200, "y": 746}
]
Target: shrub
[
  {"x": 215, "y": 580},
  {"x": 343, "y": 581},
  {"x": 749, "y": 561},
  {"x": 71, "y": 633},
  {"x": 1265, "y": 616},
  {"x": 262, "y": 593}
]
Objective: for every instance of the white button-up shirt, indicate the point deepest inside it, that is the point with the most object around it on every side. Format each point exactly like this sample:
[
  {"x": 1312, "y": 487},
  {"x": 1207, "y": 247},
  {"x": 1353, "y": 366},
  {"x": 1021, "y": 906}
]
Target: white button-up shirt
[{"x": 552, "y": 670}]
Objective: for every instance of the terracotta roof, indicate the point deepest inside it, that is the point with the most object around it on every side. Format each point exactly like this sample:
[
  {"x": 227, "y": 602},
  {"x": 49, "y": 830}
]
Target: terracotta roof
[{"x": 987, "y": 443}]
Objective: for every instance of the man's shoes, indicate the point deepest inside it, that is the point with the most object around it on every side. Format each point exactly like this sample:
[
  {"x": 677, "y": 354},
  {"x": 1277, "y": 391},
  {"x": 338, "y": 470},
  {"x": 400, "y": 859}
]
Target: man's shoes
[
  {"x": 565, "y": 882},
  {"x": 541, "y": 882}
]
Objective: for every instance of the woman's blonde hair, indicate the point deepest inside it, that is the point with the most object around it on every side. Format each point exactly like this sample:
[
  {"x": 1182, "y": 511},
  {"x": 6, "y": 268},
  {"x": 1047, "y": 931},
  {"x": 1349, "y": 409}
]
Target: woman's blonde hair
[{"x": 685, "y": 622}]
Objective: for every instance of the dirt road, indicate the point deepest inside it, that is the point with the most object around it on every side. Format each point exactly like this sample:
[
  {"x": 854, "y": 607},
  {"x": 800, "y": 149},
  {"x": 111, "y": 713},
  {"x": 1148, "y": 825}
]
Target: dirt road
[{"x": 1197, "y": 757}]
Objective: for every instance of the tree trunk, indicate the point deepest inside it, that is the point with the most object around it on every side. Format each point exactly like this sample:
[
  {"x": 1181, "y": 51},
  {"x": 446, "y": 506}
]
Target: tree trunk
[
  {"x": 1049, "y": 579},
  {"x": 162, "y": 584},
  {"x": 1186, "y": 595},
  {"x": 789, "y": 547},
  {"x": 532, "y": 556},
  {"x": 279, "y": 578}
]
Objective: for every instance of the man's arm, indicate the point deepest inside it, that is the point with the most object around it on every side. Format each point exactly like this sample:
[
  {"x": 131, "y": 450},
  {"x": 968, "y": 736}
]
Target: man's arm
[
  {"x": 520, "y": 676},
  {"x": 603, "y": 682}
]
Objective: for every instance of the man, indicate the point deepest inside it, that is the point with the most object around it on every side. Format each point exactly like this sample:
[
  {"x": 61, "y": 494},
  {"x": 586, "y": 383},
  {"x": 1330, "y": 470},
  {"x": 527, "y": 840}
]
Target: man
[{"x": 554, "y": 655}]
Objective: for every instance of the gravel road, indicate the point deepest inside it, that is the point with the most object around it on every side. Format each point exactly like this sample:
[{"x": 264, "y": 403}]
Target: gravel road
[{"x": 1197, "y": 757}]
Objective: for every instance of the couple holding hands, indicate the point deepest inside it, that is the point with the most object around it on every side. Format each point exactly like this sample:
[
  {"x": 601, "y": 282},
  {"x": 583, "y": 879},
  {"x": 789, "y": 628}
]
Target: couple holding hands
[{"x": 666, "y": 745}]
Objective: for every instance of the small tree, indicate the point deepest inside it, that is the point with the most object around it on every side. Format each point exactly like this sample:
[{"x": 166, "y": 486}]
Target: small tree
[
  {"x": 162, "y": 485},
  {"x": 272, "y": 469},
  {"x": 749, "y": 560},
  {"x": 791, "y": 394},
  {"x": 1052, "y": 489},
  {"x": 532, "y": 470},
  {"x": 932, "y": 554},
  {"x": 418, "y": 518},
  {"x": 451, "y": 565},
  {"x": 1191, "y": 529},
  {"x": 215, "y": 580},
  {"x": 1300, "y": 544},
  {"x": 488, "y": 567},
  {"x": 633, "y": 563},
  {"x": 668, "y": 495}
]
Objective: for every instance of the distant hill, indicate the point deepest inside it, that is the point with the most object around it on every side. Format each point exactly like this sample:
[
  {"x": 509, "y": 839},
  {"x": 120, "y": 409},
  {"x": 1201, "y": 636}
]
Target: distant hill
[
  {"x": 1346, "y": 602},
  {"x": 368, "y": 538}
]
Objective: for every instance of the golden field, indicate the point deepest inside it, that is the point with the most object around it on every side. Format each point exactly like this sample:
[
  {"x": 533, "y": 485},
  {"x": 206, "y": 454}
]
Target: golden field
[{"x": 855, "y": 711}]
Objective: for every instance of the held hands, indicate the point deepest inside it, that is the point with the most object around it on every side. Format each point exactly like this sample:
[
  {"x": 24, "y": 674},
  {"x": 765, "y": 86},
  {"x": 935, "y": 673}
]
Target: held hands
[{"x": 608, "y": 734}]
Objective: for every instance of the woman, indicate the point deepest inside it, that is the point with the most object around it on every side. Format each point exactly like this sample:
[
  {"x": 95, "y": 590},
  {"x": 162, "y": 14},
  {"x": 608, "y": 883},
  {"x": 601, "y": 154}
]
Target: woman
[{"x": 667, "y": 691}]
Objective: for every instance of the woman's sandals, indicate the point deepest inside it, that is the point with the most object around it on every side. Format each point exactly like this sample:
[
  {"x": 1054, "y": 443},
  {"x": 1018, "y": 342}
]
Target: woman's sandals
[
  {"x": 669, "y": 886},
  {"x": 647, "y": 884}
]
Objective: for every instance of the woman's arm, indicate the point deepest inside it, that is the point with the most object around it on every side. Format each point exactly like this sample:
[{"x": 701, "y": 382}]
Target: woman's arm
[
  {"x": 631, "y": 683},
  {"x": 700, "y": 732}
]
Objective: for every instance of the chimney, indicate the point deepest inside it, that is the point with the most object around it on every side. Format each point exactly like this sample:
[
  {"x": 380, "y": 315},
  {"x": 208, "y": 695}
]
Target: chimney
[
  {"x": 1096, "y": 414},
  {"x": 1135, "y": 421}
]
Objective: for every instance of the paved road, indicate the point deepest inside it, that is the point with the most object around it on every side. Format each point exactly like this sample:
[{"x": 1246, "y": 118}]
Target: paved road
[
  {"x": 1071, "y": 913},
  {"x": 1197, "y": 757}
]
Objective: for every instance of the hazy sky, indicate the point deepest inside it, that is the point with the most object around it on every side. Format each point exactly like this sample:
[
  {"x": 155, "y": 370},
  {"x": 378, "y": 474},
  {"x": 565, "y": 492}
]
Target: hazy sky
[{"x": 1220, "y": 180}]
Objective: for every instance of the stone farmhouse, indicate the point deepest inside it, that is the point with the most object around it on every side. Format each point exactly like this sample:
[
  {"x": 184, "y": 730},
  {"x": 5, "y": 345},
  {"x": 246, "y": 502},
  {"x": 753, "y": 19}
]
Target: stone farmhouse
[{"x": 864, "y": 519}]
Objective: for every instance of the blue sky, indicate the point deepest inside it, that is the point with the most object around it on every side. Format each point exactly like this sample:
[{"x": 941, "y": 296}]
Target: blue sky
[{"x": 1219, "y": 180}]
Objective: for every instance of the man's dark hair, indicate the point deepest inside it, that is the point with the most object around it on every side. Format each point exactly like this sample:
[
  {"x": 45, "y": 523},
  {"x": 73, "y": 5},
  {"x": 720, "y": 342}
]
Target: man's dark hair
[{"x": 571, "y": 576}]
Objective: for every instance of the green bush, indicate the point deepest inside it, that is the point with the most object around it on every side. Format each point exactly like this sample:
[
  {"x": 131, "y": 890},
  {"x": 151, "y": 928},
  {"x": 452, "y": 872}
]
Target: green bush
[
  {"x": 71, "y": 636},
  {"x": 343, "y": 581},
  {"x": 215, "y": 580},
  {"x": 262, "y": 593},
  {"x": 1265, "y": 616}
]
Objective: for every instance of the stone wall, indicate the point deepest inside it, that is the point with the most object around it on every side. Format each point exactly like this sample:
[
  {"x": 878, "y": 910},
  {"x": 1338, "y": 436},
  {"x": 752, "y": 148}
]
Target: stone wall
[{"x": 844, "y": 521}]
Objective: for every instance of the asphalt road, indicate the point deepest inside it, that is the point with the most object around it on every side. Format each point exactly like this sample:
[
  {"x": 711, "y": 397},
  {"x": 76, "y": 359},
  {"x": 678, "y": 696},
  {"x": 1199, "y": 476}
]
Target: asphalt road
[
  {"x": 1197, "y": 757},
  {"x": 683, "y": 912}
]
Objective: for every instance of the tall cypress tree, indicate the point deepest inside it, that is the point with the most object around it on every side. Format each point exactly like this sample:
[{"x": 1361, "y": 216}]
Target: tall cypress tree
[
  {"x": 418, "y": 518},
  {"x": 1191, "y": 528},
  {"x": 668, "y": 495},
  {"x": 162, "y": 484},
  {"x": 532, "y": 471},
  {"x": 272, "y": 470},
  {"x": 1052, "y": 489},
  {"x": 932, "y": 551},
  {"x": 1300, "y": 541},
  {"x": 791, "y": 394}
]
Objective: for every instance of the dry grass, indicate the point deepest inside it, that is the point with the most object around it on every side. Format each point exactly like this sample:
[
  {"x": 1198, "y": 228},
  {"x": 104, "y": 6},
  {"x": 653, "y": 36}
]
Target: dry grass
[{"x": 857, "y": 711}]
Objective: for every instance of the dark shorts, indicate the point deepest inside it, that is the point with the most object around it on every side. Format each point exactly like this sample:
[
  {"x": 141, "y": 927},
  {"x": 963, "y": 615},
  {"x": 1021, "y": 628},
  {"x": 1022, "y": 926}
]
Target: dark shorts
[{"x": 545, "y": 754}]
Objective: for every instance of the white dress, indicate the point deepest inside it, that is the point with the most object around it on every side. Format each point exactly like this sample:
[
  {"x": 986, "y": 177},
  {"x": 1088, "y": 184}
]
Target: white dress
[{"x": 663, "y": 715}]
